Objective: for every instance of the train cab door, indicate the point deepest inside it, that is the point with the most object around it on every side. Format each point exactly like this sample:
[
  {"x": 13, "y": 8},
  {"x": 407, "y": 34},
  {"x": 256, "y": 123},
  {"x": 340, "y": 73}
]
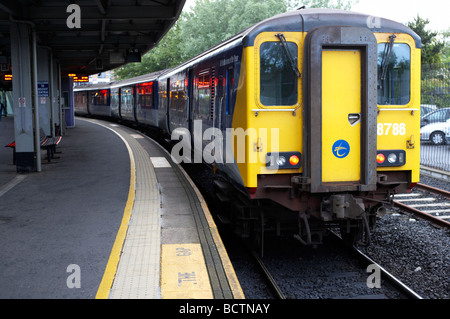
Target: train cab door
[
  {"x": 229, "y": 102},
  {"x": 341, "y": 115},
  {"x": 167, "y": 102},
  {"x": 340, "y": 109},
  {"x": 190, "y": 100}
]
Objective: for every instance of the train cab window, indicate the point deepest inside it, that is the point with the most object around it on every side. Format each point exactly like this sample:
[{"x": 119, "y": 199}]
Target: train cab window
[
  {"x": 278, "y": 82},
  {"x": 394, "y": 74}
]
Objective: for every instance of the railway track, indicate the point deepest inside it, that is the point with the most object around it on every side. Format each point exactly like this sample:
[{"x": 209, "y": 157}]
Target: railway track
[
  {"x": 427, "y": 203},
  {"x": 343, "y": 276}
]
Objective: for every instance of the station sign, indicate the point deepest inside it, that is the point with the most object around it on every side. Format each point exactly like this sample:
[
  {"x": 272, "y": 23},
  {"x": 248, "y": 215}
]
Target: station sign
[
  {"x": 43, "y": 89},
  {"x": 80, "y": 79}
]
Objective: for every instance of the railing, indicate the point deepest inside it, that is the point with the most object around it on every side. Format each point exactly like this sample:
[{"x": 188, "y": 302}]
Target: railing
[{"x": 435, "y": 92}]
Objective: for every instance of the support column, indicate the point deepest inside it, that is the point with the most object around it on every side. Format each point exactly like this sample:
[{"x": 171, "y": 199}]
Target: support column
[
  {"x": 26, "y": 123},
  {"x": 44, "y": 89},
  {"x": 67, "y": 96}
]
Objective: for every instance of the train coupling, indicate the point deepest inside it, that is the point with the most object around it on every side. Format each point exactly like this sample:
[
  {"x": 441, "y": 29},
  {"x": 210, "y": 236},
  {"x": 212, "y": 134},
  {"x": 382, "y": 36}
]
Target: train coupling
[{"x": 343, "y": 206}]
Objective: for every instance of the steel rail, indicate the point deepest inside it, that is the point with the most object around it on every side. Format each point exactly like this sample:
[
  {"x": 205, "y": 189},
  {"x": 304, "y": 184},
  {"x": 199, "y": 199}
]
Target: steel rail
[
  {"x": 432, "y": 189},
  {"x": 423, "y": 215},
  {"x": 391, "y": 278},
  {"x": 273, "y": 285}
]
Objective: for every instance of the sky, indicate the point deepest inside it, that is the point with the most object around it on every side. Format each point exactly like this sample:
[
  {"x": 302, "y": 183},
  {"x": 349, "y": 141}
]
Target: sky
[{"x": 402, "y": 11}]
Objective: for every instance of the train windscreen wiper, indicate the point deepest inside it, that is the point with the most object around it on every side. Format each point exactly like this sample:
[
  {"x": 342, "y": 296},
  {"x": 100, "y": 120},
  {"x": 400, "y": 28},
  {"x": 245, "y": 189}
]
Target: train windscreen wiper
[
  {"x": 387, "y": 57},
  {"x": 288, "y": 54}
]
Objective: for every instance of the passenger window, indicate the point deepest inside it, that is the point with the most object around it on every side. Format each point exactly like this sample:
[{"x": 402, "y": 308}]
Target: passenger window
[
  {"x": 178, "y": 95},
  {"x": 145, "y": 95},
  {"x": 278, "y": 81},
  {"x": 394, "y": 76},
  {"x": 204, "y": 93}
]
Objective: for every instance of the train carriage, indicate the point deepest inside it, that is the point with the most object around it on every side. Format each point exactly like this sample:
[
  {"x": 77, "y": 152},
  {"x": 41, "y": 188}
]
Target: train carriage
[
  {"x": 309, "y": 119},
  {"x": 343, "y": 90},
  {"x": 92, "y": 99}
]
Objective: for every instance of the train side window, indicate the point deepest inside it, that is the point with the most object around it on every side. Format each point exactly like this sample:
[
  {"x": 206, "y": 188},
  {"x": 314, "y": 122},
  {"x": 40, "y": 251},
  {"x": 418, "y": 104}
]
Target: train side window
[
  {"x": 145, "y": 95},
  {"x": 178, "y": 95},
  {"x": 204, "y": 94},
  {"x": 278, "y": 82},
  {"x": 127, "y": 96},
  {"x": 395, "y": 87},
  {"x": 99, "y": 97}
]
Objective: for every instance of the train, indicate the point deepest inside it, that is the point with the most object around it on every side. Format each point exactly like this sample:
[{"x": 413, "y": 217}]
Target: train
[{"x": 310, "y": 121}]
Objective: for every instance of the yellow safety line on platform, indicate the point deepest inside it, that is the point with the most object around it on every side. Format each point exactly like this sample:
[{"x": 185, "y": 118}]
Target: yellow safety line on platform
[
  {"x": 233, "y": 281},
  {"x": 114, "y": 257},
  {"x": 183, "y": 272}
]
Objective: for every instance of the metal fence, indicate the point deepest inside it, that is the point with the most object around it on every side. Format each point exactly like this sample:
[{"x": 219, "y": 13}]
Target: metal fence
[{"x": 435, "y": 151}]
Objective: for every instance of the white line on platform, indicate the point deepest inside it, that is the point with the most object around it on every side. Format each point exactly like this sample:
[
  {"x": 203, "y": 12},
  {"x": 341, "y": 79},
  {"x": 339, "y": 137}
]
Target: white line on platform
[
  {"x": 160, "y": 162},
  {"x": 8, "y": 186}
]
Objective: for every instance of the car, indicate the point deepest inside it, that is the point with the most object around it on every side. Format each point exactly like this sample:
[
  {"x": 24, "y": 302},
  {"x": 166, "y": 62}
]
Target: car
[
  {"x": 436, "y": 133},
  {"x": 427, "y": 108},
  {"x": 440, "y": 115}
]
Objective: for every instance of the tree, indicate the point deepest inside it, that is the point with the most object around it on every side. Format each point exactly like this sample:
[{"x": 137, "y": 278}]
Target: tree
[
  {"x": 210, "y": 22},
  {"x": 333, "y": 4},
  {"x": 446, "y": 50},
  {"x": 431, "y": 47}
]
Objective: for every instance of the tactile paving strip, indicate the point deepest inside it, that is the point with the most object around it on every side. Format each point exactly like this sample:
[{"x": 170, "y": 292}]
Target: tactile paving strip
[{"x": 138, "y": 272}]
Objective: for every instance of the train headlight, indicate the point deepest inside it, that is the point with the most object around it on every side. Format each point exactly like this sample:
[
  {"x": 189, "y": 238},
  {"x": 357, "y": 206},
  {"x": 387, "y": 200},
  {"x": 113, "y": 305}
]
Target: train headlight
[
  {"x": 392, "y": 158},
  {"x": 283, "y": 160}
]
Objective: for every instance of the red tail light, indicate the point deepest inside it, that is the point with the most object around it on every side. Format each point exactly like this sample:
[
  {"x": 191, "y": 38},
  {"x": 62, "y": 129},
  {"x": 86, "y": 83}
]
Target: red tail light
[
  {"x": 294, "y": 160},
  {"x": 380, "y": 158}
]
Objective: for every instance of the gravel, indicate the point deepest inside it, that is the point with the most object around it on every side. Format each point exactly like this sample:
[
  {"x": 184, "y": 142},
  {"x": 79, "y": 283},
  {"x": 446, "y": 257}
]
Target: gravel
[
  {"x": 414, "y": 250},
  {"x": 435, "y": 182}
]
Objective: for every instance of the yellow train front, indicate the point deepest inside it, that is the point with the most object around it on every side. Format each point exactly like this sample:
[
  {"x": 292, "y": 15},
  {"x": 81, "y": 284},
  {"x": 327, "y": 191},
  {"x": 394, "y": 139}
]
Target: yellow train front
[{"x": 328, "y": 102}]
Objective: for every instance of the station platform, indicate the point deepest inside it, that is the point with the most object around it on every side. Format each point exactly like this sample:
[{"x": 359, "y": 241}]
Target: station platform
[{"x": 112, "y": 217}]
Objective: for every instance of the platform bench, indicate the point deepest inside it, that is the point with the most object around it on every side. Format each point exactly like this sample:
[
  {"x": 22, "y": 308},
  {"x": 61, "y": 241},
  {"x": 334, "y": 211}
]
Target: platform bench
[{"x": 48, "y": 143}]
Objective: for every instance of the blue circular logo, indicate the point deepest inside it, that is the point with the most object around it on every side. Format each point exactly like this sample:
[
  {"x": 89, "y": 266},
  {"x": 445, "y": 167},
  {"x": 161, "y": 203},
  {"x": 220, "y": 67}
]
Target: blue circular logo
[{"x": 341, "y": 149}]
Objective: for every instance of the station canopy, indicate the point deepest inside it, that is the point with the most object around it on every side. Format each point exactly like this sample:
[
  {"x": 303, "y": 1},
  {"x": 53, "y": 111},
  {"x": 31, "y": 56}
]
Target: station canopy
[{"x": 94, "y": 35}]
